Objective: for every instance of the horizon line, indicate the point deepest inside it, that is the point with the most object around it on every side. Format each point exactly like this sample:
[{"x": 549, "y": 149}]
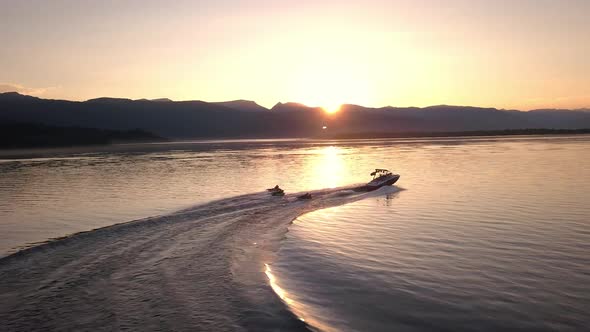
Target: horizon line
[{"x": 166, "y": 99}]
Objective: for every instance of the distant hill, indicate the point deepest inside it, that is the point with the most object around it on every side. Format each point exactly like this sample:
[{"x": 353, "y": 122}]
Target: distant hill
[
  {"x": 163, "y": 100},
  {"x": 27, "y": 135},
  {"x": 111, "y": 100},
  {"x": 242, "y": 105},
  {"x": 243, "y": 119},
  {"x": 296, "y": 107}
]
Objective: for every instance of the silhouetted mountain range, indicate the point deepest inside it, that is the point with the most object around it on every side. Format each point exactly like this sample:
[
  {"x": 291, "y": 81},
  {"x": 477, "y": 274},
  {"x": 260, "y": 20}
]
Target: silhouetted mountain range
[{"x": 241, "y": 118}]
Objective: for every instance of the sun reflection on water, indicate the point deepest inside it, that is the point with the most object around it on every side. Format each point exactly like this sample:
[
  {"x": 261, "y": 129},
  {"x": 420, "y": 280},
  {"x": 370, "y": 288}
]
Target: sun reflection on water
[{"x": 329, "y": 166}]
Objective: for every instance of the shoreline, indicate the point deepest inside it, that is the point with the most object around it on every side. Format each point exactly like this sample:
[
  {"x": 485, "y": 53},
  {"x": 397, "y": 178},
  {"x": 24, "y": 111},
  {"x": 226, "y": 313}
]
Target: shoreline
[
  {"x": 345, "y": 136},
  {"x": 473, "y": 133}
]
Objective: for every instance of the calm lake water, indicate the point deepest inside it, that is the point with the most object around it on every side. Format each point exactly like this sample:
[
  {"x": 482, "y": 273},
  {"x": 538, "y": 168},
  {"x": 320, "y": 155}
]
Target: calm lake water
[{"x": 481, "y": 234}]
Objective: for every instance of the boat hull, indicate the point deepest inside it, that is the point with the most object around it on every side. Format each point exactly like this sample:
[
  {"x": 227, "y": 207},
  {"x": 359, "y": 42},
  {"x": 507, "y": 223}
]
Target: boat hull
[{"x": 375, "y": 186}]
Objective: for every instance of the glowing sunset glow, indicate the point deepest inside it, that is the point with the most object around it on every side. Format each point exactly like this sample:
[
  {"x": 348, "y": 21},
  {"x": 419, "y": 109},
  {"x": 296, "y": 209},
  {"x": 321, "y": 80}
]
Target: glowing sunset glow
[
  {"x": 331, "y": 109},
  {"x": 323, "y": 83},
  {"x": 372, "y": 53},
  {"x": 299, "y": 165}
]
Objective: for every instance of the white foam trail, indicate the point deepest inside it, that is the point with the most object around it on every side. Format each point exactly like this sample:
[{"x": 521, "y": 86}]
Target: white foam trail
[{"x": 201, "y": 268}]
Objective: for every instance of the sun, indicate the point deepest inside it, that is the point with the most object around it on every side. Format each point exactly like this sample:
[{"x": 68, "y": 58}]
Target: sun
[
  {"x": 331, "y": 109},
  {"x": 326, "y": 84}
]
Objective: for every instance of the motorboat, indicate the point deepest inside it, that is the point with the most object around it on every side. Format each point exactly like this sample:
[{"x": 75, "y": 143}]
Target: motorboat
[{"x": 381, "y": 178}]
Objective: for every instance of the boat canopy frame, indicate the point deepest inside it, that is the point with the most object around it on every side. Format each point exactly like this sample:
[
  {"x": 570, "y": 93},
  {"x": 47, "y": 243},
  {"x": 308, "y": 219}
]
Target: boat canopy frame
[{"x": 380, "y": 172}]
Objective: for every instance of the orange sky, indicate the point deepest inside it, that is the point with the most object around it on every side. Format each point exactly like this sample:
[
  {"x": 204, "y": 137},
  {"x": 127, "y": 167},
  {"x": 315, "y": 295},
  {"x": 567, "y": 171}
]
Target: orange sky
[{"x": 507, "y": 54}]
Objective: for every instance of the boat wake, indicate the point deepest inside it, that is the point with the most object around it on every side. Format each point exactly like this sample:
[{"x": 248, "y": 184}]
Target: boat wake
[{"x": 201, "y": 268}]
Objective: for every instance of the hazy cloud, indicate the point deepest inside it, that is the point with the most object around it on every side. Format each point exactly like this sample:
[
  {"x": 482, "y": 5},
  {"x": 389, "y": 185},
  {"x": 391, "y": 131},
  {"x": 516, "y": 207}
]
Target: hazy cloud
[
  {"x": 12, "y": 87},
  {"x": 573, "y": 102}
]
